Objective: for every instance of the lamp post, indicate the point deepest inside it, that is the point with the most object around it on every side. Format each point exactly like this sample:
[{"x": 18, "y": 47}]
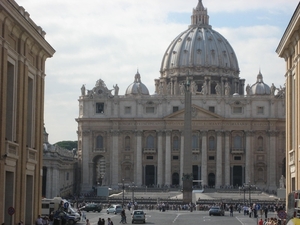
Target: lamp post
[
  {"x": 244, "y": 190},
  {"x": 132, "y": 190},
  {"x": 123, "y": 187}
]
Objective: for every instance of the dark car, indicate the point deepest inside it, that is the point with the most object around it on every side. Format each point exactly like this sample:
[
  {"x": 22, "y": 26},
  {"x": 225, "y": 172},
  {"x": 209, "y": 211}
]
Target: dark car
[
  {"x": 62, "y": 217},
  {"x": 92, "y": 207},
  {"x": 216, "y": 211}
]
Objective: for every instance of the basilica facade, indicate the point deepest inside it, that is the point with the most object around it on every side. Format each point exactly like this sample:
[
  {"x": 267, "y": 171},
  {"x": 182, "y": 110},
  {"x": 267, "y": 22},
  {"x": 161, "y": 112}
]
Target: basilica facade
[{"x": 238, "y": 130}]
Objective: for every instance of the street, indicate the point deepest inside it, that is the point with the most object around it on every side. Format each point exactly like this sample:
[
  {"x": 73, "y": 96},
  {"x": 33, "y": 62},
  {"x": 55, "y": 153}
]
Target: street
[{"x": 176, "y": 217}]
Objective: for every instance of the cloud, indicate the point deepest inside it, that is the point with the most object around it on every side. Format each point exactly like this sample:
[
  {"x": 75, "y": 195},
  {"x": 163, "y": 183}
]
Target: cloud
[{"x": 112, "y": 39}]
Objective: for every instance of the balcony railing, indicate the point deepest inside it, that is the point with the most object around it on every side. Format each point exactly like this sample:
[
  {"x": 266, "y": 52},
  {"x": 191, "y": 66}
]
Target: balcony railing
[
  {"x": 99, "y": 150},
  {"x": 196, "y": 150},
  {"x": 237, "y": 150},
  {"x": 149, "y": 150}
]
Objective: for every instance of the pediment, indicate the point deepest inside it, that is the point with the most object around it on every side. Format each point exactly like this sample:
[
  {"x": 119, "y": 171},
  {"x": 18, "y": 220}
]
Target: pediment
[{"x": 197, "y": 113}]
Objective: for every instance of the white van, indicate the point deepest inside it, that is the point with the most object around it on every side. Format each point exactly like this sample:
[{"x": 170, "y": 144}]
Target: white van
[{"x": 52, "y": 205}]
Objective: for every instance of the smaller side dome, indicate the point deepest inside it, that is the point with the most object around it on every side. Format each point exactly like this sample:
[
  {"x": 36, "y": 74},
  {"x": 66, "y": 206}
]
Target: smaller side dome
[
  {"x": 137, "y": 87},
  {"x": 260, "y": 88}
]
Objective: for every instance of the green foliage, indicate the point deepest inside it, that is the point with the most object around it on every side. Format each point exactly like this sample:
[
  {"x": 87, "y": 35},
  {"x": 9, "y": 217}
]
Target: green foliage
[{"x": 70, "y": 145}]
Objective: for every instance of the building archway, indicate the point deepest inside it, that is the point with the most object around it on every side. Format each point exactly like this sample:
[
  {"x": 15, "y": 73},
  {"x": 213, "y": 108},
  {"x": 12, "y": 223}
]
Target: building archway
[{"x": 99, "y": 169}]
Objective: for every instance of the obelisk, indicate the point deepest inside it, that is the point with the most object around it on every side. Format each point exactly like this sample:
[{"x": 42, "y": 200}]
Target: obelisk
[{"x": 187, "y": 176}]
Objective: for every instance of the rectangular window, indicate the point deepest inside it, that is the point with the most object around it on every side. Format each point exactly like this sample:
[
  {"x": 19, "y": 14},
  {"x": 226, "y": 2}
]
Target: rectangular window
[
  {"x": 10, "y": 101},
  {"x": 149, "y": 109},
  {"x": 100, "y": 107},
  {"x": 237, "y": 158},
  {"x": 237, "y": 109},
  {"x": 30, "y": 115},
  {"x": 149, "y": 157},
  {"x": 175, "y": 157},
  {"x": 211, "y": 109},
  {"x": 67, "y": 176},
  {"x": 211, "y": 158},
  {"x": 127, "y": 109},
  {"x": 260, "y": 110},
  {"x": 175, "y": 108}
]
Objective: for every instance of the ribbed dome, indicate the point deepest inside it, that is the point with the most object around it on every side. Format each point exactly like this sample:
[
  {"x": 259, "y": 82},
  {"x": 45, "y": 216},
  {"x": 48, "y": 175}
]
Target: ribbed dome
[
  {"x": 199, "y": 50},
  {"x": 260, "y": 88},
  {"x": 137, "y": 87}
]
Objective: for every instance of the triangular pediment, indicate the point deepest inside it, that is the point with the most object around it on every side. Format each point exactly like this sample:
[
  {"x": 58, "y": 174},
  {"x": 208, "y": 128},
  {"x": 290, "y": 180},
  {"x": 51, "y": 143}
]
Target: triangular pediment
[{"x": 197, "y": 113}]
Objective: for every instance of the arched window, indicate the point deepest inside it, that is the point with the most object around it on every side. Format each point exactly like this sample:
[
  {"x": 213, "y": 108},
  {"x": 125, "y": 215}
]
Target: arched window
[
  {"x": 127, "y": 143},
  {"x": 195, "y": 143},
  {"x": 237, "y": 142},
  {"x": 150, "y": 141},
  {"x": 260, "y": 142},
  {"x": 99, "y": 141},
  {"x": 211, "y": 142},
  {"x": 175, "y": 143}
]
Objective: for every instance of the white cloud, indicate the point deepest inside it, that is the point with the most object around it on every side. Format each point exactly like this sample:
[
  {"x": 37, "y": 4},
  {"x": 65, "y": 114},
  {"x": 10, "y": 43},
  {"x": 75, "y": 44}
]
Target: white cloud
[{"x": 112, "y": 39}]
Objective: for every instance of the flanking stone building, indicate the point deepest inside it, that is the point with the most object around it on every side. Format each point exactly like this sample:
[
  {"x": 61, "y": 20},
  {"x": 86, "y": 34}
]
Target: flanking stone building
[
  {"x": 238, "y": 130},
  {"x": 23, "y": 54}
]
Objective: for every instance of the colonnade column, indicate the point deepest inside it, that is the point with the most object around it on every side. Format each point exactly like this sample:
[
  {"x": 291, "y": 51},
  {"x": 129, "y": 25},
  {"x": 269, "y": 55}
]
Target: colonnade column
[
  {"x": 168, "y": 159},
  {"x": 248, "y": 157},
  {"x": 227, "y": 159},
  {"x": 138, "y": 161},
  {"x": 115, "y": 156},
  {"x": 181, "y": 156},
  {"x": 159, "y": 160},
  {"x": 272, "y": 161},
  {"x": 219, "y": 169},
  {"x": 204, "y": 158}
]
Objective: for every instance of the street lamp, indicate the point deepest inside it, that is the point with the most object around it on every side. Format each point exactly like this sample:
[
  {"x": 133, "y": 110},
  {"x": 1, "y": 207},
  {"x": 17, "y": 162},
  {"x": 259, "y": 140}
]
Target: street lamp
[
  {"x": 132, "y": 190},
  {"x": 123, "y": 187}
]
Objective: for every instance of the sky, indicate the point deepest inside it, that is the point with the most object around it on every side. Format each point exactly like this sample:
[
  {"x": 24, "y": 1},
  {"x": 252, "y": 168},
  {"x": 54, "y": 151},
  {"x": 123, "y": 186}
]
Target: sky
[{"x": 111, "y": 40}]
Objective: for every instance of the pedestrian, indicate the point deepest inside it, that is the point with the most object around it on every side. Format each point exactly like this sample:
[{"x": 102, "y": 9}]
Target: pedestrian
[
  {"x": 260, "y": 222},
  {"x": 99, "y": 221},
  {"x": 109, "y": 222},
  {"x": 103, "y": 221},
  {"x": 250, "y": 211},
  {"x": 39, "y": 220},
  {"x": 87, "y": 222},
  {"x": 123, "y": 216},
  {"x": 231, "y": 210}
]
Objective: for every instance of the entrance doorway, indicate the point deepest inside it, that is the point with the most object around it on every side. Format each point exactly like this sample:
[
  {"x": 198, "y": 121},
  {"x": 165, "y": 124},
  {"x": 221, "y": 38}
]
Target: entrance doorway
[
  {"x": 237, "y": 176},
  {"x": 175, "y": 179},
  {"x": 150, "y": 175},
  {"x": 211, "y": 180}
]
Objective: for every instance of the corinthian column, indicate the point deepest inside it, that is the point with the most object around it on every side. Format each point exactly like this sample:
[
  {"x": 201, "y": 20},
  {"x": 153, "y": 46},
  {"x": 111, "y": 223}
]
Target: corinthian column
[
  {"x": 204, "y": 158},
  {"x": 138, "y": 162},
  {"x": 160, "y": 173},
  {"x": 248, "y": 169},
  {"x": 227, "y": 159},
  {"x": 168, "y": 159},
  {"x": 115, "y": 158},
  {"x": 219, "y": 167}
]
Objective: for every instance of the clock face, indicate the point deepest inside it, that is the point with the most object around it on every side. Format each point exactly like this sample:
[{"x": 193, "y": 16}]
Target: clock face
[{"x": 100, "y": 91}]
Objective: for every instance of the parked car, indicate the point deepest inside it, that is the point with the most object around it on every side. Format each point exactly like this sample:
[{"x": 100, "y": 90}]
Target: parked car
[
  {"x": 65, "y": 218},
  {"x": 216, "y": 211},
  {"x": 92, "y": 207},
  {"x": 114, "y": 209},
  {"x": 138, "y": 216}
]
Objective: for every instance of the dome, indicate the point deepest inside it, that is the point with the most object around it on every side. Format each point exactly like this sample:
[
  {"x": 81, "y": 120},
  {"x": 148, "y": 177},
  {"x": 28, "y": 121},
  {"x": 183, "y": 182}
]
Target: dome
[
  {"x": 260, "y": 88},
  {"x": 137, "y": 87},
  {"x": 199, "y": 50}
]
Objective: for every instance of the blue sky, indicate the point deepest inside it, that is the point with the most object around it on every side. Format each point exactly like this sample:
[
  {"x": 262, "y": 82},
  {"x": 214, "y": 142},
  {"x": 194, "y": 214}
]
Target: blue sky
[{"x": 110, "y": 40}]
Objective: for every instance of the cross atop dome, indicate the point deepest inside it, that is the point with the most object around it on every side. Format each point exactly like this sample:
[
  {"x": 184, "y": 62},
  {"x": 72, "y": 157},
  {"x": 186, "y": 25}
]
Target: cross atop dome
[{"x": 200, "y": 17}]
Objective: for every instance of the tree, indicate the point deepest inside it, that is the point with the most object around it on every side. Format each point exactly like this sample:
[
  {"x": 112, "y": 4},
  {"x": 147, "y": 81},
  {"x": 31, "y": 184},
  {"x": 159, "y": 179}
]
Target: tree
[{"x": 70, "y": 145}]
